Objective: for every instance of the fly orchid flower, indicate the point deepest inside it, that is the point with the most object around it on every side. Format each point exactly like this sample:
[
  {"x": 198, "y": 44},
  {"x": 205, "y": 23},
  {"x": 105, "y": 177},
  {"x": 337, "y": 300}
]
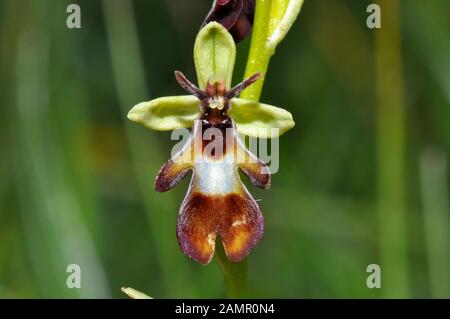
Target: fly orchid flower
[{"x": 217, "y": 202}]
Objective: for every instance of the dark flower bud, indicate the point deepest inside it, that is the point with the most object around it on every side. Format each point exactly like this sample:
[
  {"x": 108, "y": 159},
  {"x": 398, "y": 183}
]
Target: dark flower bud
[{"x": 235, "y": 15}]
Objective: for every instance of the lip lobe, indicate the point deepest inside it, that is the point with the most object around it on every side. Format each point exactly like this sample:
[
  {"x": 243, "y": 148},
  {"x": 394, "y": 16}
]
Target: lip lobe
[{"x": 235, "y": 217}]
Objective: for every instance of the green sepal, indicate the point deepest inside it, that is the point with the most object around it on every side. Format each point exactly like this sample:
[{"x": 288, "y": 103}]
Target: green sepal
[{"x": 166, "y": 113}]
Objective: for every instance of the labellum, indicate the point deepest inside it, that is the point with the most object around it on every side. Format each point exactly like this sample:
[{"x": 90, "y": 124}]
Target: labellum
[{"x": 217, "y": 203}]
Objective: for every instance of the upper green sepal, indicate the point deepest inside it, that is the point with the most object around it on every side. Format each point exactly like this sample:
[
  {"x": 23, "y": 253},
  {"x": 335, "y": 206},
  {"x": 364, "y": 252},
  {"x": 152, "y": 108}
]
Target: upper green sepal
[
  {"x": 166, "y": 113},
  {"x": 214, "y": 55},
  {"x": 260, "y": 120}
]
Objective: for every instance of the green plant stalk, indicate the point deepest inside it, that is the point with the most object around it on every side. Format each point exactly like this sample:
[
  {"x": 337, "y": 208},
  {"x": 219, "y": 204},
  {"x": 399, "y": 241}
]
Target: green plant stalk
[
  {"x": 235, "y": 274},
  {"x": 259, "y": 54},
  {"x": 273, "y": 19},
  {"x": 391, "y": 155}
]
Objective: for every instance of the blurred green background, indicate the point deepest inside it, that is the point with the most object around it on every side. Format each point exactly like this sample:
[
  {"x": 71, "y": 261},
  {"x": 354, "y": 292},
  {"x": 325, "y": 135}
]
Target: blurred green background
[{"x": 363, "y": 176}]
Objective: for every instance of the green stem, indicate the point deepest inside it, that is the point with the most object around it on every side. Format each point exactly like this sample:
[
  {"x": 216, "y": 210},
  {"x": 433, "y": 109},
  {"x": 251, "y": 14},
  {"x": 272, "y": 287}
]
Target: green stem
[
  {"x": 235, "y": 274},
  {"x": 273, "y": 19},
  {"x": 259, "y": 54},
  {"x": 391, "y": 141}
]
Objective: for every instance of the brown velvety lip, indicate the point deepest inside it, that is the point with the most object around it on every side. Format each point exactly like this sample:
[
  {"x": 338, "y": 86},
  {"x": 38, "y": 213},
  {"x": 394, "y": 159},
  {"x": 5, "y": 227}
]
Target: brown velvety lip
[{"x": 235, "y": 218}]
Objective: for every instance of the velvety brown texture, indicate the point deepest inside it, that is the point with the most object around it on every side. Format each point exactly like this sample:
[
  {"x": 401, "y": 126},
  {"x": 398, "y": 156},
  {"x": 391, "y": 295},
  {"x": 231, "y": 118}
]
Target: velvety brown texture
[{"x": 234, "y": 217}]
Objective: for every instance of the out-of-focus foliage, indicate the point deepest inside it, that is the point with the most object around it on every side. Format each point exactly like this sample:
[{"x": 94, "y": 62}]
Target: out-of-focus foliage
[{"x": 77, "y": 176}]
